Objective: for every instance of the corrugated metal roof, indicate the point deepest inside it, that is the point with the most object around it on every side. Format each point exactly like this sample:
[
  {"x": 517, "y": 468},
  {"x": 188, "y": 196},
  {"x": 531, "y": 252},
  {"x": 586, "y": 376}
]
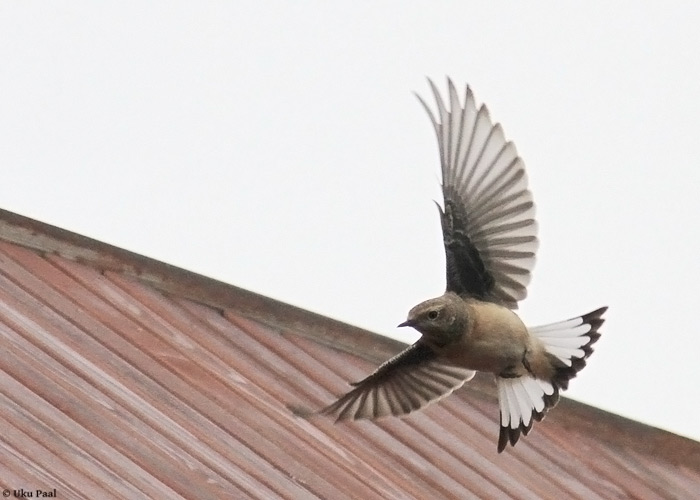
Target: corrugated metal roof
[{"x": 123, "y": 377}]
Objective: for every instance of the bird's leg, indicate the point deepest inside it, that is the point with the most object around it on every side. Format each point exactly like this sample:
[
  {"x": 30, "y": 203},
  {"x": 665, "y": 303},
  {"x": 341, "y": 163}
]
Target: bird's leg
[
  {"x": 509, "y": 372},
  {"x": 526, "y": 363}
]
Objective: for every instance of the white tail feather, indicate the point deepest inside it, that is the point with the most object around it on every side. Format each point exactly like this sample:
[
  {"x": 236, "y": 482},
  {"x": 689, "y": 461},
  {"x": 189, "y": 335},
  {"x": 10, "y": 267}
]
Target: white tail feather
[
  {"x": 561, "y": 326},
  {"x": 565, "y": 339},
  {"x": 525, "y": 399},
  {"x": 572, "y": 342},
  {"x": 521, "y": 401}
]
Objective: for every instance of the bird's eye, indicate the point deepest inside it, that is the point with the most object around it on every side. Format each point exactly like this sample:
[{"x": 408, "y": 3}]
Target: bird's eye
[{"x": 433, "y": 314}]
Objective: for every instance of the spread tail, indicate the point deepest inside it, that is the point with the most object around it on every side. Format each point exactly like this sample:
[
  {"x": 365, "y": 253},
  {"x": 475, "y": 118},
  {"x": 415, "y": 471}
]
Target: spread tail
[{"x": 525, "y": 399}]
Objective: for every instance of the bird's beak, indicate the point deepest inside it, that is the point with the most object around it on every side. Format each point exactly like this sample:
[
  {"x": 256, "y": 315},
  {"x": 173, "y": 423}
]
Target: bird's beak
[{"x": 408, "y": 322}]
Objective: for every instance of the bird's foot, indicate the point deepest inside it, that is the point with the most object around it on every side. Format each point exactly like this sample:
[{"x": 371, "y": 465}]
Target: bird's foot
[{"x": 509, "y": 372}]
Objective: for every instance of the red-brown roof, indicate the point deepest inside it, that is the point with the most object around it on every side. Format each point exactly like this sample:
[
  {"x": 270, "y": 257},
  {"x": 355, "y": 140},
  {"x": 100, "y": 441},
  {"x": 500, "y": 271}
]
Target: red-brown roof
[{"x": 123, "y": 377}]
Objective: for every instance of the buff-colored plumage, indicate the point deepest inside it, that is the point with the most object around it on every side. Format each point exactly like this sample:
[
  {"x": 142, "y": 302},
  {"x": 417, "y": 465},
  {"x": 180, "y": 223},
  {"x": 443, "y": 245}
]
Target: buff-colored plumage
[{"x": 490, "y": 238}]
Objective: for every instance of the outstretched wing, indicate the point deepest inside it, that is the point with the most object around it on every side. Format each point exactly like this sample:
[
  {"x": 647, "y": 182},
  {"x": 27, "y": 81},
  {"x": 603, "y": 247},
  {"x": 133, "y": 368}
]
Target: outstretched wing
[
  {"x": 407, "y": 382},
  {"x": 488, "y": 221}
]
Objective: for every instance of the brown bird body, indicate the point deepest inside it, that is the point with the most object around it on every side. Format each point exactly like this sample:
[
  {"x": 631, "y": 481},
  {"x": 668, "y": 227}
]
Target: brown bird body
[
  {"x": 480, "y": 349},
  {"x": 490, "y": 238}
]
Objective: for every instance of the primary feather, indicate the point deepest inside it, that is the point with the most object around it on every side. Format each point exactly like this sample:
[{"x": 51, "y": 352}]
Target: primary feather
[{"x": 488, "y": 220}]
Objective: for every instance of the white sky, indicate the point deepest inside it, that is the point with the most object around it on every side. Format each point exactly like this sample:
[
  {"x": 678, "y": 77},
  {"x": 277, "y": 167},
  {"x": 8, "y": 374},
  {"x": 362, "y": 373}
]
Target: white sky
[{"x": 279, "y": 148}]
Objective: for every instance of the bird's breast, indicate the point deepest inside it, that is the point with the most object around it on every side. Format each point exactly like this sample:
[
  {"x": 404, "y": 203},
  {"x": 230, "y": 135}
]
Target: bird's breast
[{"x": 496, "y": 340}]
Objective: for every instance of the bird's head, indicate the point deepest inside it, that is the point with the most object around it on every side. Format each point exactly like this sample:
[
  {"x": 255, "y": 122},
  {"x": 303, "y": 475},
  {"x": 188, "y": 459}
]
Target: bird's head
[{"x": 441, "y": 320}]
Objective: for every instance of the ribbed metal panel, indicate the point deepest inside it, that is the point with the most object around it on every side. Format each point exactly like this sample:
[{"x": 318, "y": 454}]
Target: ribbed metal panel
[{"x": 121, "y": 377}]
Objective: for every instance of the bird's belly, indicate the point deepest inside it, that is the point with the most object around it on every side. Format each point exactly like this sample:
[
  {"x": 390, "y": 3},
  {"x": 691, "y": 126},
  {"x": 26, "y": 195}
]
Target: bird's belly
[{"x": 489, "y": 356}]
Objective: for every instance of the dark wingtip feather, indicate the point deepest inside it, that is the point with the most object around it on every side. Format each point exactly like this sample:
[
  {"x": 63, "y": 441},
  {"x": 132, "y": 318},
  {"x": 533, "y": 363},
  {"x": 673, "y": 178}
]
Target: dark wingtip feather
[
  {"x": 513, "y": 435},
  {"x": 452, "y": 90},
  {"x": 502, "y": 439},
  {"x": 425, "y": 105}
]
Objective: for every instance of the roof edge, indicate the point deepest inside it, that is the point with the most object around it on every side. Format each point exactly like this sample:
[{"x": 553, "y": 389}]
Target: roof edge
[{"x": 48, "y": 239}]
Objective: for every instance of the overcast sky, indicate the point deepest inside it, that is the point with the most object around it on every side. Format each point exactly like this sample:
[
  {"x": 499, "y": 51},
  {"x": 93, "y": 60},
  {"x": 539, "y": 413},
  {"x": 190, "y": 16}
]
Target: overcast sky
[{"x": 277, "y": 146}]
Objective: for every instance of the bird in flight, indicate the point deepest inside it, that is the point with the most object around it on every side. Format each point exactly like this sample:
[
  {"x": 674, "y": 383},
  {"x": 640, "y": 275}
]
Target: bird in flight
[{"x": 490, "y": 236}]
